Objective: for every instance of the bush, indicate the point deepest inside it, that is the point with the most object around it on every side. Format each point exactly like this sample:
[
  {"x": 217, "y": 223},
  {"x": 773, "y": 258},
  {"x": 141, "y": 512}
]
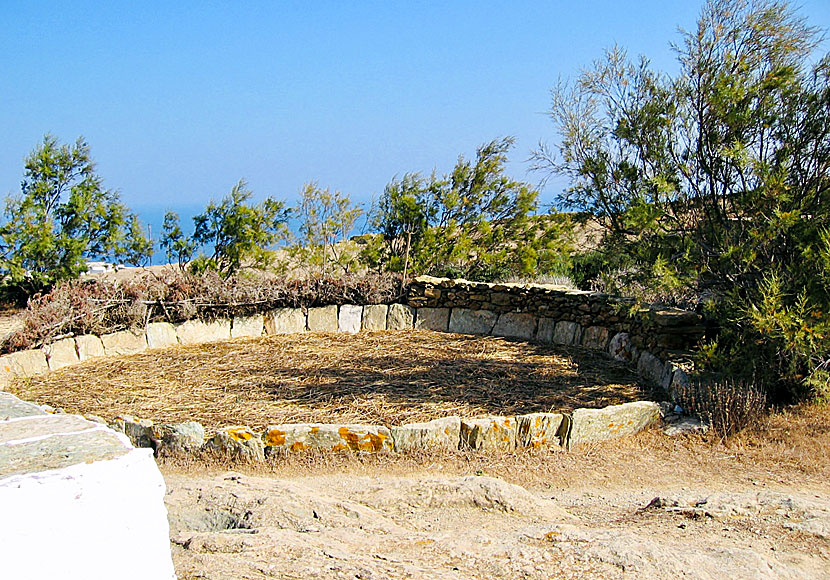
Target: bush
[{"x": 726, "y": 405}]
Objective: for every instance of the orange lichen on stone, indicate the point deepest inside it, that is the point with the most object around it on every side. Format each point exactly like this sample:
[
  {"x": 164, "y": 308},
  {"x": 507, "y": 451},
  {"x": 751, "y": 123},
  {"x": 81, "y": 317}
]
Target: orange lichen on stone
[
  {"x": 275, "y": 437},
  {"x": 297, "y": 446},
  {"x": 315, "y": 430},
  {"x": 239, "y": 434},
  {"x": 350, "y": 438},
  {"x": 339, "y": 447},
  {"x": 372, "y": 442}
]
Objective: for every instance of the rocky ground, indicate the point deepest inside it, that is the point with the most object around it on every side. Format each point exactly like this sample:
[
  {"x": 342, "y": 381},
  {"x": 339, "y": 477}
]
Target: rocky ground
[{"x": 648, "y": 507}]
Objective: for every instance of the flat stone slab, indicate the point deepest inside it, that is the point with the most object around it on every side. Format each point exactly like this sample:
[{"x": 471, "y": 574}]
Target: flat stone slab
[
  {"x": 374, "y": 317},
  {"x": 541, "y": 430},
  {"x": 247, "y": 326},
  {"x": 466, "y": 321},
  {"x": 89, "y": 346},
  {"x": 61, "y": 353},
  {"x": 285, "y": 321},
  {"x": 613, "y": 421},
  {"x": 322, "y": 319},
  {"x": 349, "y": 318},
  {"x": 300, "y": 436},
  {"x": 124, "y": 342},
  {"x": 432, "y": 319},
  {"x": 199, "y": 332},
  {"x": 515, "y": 325},
  {"x": 41, "y": 426},
  {"x": 489, "y": 433},
  {"x": 11, "y": 407},
  {"x": 439, "y": 434},
  {"x": 400, "y": 317},
  {"x": 161, "y": 335}
]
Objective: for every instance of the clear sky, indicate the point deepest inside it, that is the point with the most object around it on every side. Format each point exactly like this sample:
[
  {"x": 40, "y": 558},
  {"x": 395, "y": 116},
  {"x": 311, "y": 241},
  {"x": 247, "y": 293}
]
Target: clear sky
[{"x": 179, "y": 100}]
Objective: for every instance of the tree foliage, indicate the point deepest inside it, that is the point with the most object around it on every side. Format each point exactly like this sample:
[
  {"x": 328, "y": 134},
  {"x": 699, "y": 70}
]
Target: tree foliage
[
  {"x": 721, "y": 172},
  {"x": 475, "y": 222},
  {"x": 63, "y": 217}
]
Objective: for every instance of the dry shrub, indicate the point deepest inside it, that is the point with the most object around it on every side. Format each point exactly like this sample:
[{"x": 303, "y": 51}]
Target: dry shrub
[
  {"x": 100, "y": 305},
  {"x": 728, "y": 405}
]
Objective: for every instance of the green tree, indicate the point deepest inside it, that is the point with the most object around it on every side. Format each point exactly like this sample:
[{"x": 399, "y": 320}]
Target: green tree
[
  {"x": 327, "y": 219},
  {"x": 240, "y": 233},
  {"x": 176, "y": 244},
  {"x": 720, "y": 174},
  {"x": 475, "y": 222},
  {"x": 63, "y": 217}
]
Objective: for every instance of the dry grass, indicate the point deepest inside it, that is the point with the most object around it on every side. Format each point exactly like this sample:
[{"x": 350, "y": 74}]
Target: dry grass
[{"x": 383, "y": 377}]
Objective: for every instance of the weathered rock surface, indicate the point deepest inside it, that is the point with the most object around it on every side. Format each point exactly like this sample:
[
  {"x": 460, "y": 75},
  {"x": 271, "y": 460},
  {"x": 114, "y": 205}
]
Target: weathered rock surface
[
  {"x": 349, "y": 318},
  {"x": 161, "y": 335},
  {"x": 650, "y": 367},
  {"x": 199, "y": 332},
  {"x": 238, "y": 442},
  {"x": 620, "y": 347},
  {"x": 466, "y": 321},
  {"x": 61, "y": 353},
  {"x": 374, "y": 317},
  {"x": 595, "y": 337},
  {"x": 179, "y": 438},
  {"x": 301, "y": 436},
  {"x": 489, "y": 433},
  {"x": 541, "y": 430},
  {"x": 433, "y": 319},
  {"x": 322, "y": 319},
  {"x": 613, "y": 421},
  {"x": 247, "y": 326},
  {"x": 567, "y": 333},
  {"x": 544, "y": 332},
  {"x": 285, "y": 321},
  {"x": 400, "y": 317},
  {"x": 25, "y": 363},
  {"x": 124, "y": 342},
  {"x": 89, "y": 346},
  {"x": 515, "y": 325},
  {"x": 437, "y": 435}
]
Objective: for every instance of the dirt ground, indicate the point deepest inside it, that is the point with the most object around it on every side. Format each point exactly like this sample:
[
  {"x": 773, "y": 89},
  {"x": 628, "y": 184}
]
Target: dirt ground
[
  {"x": 390, "y": 378},
  {"x": 648, "y": 506}
]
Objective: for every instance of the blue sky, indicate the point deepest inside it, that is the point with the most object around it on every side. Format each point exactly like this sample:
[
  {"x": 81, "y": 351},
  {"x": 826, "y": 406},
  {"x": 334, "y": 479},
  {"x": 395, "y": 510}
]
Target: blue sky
[{"x": 180, "y": 100}]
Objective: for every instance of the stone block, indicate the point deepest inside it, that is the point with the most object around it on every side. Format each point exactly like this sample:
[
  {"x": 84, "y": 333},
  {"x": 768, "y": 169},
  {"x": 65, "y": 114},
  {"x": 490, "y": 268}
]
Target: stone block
[
  {"x": 541, "y": 430},
  {"x": 239, "y": 442},
  {"x": 620, "y": 347},
  {"x": 179, "y": 438},
  {"x": 285, "y": 321},
  {"x": 247, "y": 326},
  {"x": 124, "y": 342},
  {"x": 595, "y": 337},
  {"x": 439, "y": 434},
  {"x": 11, "y": 407},
  {"x": 61, "y": 353},
  {"x": 567, "y": 333},
  {"x": 400, "y": 317},
  {"x": 374, "y": 317},
  {"x": 161, "y": 335},
  {"x": 489, "y": 433},
  {"x": 680, "y": 383},
  {"x": 322, "y": 319},
  {"x": 89, "y": 346},
  {"x": 24, "y": 363},
  {"x": 613, "y": 421},
  {"x": 349, "y": 318},
  {"x": 650, "y": 367},
  {"x": 466, "y": 321},
  {"x": 300, "y": 436},
  {"x": 515, "y": 325},
  {"x": 433, "y": 319},
  {"x": 198, "y": 331},
  {"x": 544, "y": 330}
]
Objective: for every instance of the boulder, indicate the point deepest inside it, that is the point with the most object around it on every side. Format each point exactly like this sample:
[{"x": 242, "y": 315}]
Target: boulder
[
  {"x": 595, "y": 337},
  {"x": 489, "y": 433},
  {"x": 179, "y": 438},
  {"x": 620, "y": 347},
  {"x": 515, "y": 325},
  {"x": 198, "y": 331},
  {"x": 439, "y": 434},
  {"x": 466, "y": 321},
  {"x": 247, "y": 326},
  {"x": 680, "y": 383},
  {"x": 433, "y": 319},
  {"x": 650, "y": 367},
  {"x": 567, "y": 333},
  {"x": 161, "y": 335},
  {"x": 322, "y": 319},
  {"x": 139, "y": 431},
  {"x": 239, "y": 442},
  {"x": 285, "y": 321},
  {"x": 300, "y": 436},
  {"x": 374, "y": 317},
  {"x": 61, "y": 353},
  {"x": 349, "y": 318},
  {"x": 613, "y": 421},
  {"x": 400, "y": 317},
  {"x": 124, "y": 342},
  {"x": 89, "y": 346},
  {"x": 544, "y": 330},
  {"x": 541, "y": 430}
]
